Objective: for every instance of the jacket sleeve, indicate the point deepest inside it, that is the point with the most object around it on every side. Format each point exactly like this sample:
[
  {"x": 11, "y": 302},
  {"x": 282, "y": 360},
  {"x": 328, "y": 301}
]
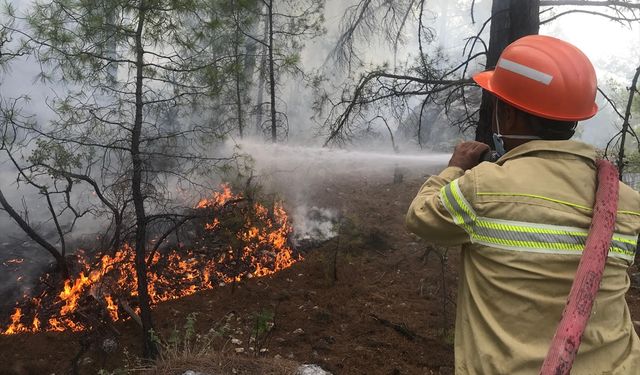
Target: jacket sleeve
[{"x": 429, "y": 218}]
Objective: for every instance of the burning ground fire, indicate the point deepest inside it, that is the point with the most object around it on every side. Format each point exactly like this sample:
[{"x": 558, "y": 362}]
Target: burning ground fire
[{"x": 227, "y": 250}]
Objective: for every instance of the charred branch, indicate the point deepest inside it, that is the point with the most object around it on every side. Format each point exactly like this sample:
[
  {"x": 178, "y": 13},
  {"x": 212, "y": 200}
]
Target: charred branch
[
  {"x": 401, "y": 328},
  {"x": 132, "y": 314},
  {"x": 24, "y": 225},
  {"x": 54, "y": 215}
]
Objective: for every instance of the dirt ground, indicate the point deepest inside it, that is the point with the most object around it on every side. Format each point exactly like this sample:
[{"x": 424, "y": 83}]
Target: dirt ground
[{"x": 370, "y": 301}]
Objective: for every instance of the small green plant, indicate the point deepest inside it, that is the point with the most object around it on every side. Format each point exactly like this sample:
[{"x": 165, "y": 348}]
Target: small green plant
[
  {"x": 183, "y": 339},
  {"x": 447, "y": 335},
  {"x": 223, "y": 330},
  {"x": 264, "y": 324},
  {"x": 185, "y": 342}
]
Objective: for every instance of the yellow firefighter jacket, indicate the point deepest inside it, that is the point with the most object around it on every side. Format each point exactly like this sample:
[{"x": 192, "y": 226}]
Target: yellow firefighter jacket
[{"x": 522, "y": 223}]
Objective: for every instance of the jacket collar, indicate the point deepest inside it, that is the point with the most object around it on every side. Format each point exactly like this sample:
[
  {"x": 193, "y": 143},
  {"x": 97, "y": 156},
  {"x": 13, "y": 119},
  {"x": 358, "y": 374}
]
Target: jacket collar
[{"x": 567, "y": 147}]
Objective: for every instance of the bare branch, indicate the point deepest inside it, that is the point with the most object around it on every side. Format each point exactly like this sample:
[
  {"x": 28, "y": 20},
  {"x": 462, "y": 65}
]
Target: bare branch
[
  {"x": 625, "y": 125},
  {"x": 621, "y": 19},
  {"x": 611, "y": 103},
  {"x": 390, "y": 91},
  {"x": 33, "y": 234},
  {"x": 624, "y": 4}
]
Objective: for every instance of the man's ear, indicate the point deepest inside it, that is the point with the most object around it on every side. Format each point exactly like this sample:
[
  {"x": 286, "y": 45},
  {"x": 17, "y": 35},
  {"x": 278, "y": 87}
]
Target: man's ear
[{"x": 509, "y": 115}]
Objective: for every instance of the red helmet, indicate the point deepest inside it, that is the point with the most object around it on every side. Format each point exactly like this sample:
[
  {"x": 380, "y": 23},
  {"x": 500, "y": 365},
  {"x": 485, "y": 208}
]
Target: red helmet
[{"x": 544, "y": 76}]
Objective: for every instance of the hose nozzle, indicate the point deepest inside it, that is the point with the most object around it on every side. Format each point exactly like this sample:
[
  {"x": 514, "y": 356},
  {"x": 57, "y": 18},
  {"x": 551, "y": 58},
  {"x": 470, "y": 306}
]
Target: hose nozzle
[{"x": 491, "y": 156}]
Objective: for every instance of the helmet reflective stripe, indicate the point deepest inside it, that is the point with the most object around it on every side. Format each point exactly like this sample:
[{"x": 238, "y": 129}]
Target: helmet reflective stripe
[
  {"x": 526, "y": 71},
  {"x": 545, "y": 77}
]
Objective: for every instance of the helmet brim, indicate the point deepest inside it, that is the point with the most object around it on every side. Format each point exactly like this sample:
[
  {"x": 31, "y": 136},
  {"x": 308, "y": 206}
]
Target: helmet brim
[{"x": 483, "y": 79}]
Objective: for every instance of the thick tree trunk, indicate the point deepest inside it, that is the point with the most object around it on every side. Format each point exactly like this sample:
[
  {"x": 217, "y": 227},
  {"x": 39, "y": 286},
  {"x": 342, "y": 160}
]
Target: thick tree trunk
[
  {"x": 149, "y": 346},
  {"x": 510, "y": 20}
]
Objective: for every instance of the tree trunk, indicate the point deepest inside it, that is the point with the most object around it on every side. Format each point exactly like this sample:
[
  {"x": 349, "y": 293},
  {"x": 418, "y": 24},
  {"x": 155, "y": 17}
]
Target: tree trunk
[
  {"x": 238, "y": 78},
  {"x": 272, "y": 77},
  {"x": 261, "y": 76},
  {"x": 510, "y": 20},
  {"x": 111, "y": 47},
  {"x": 149, "y": 346},
  {"x": 249, "y": 65}
]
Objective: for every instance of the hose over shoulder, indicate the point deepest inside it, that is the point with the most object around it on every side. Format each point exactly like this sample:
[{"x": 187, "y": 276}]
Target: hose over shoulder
[{"x": 566, "y": 341}]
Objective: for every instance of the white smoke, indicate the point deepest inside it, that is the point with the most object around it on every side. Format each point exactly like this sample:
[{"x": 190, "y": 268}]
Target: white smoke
[{"x": 313, "y": 224}]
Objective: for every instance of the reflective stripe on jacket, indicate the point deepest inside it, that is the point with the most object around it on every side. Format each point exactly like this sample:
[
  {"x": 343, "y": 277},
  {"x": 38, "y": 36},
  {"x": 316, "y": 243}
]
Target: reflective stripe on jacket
[{"x": 522, "y": 223}]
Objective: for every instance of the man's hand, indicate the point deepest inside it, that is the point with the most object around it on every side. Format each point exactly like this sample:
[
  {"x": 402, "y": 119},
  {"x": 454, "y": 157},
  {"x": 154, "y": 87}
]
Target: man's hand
[{"x": 467, "y": 155}]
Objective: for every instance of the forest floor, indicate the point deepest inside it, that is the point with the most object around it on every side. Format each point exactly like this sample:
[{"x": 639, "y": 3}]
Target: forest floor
[{"x": 370, "y": 301}]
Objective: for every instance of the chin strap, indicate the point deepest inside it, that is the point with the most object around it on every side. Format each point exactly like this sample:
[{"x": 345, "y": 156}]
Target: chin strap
[{"x": 498, "y": 139}]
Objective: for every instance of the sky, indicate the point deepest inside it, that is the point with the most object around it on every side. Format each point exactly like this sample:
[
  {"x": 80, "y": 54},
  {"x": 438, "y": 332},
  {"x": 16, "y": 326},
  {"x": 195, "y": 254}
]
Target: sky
[{"x": 614, "y": 51}]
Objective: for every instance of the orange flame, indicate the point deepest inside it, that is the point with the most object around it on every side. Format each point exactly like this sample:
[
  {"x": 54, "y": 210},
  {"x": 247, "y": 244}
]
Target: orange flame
[
  {"x": 112, "y": 308},
  {"x": 16, "y": 326},
  {"x": 264, "y": 250},
  {"x": 219, "y": 198}
]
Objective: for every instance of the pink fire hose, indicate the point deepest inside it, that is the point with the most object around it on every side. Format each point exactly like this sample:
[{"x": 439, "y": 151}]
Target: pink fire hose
[{"x": 568, "y": 336}]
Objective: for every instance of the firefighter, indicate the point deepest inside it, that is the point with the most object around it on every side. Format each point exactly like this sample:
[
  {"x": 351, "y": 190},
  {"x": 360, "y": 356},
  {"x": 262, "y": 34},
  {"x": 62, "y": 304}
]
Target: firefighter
[{"x": 523, "y": 221}]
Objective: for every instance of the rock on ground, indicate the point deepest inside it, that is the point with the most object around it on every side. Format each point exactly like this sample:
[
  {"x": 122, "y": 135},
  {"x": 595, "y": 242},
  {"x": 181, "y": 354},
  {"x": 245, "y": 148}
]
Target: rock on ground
[{"x": 311, "y": 370}]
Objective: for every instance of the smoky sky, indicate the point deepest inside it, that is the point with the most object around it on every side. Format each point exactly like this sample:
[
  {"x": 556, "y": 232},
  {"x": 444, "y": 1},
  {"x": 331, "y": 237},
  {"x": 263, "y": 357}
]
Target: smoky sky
[{"x": 451, "y": 23}]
